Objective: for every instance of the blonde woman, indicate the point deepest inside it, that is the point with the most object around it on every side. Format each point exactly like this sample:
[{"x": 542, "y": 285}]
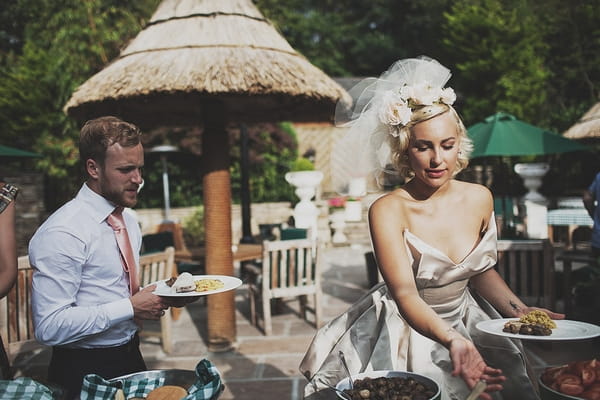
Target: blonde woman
[{"x": 434, "y": 239}]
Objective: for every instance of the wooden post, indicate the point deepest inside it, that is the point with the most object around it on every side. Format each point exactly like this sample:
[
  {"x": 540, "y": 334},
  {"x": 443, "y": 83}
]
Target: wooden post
[{"x": 216, "y": 184}]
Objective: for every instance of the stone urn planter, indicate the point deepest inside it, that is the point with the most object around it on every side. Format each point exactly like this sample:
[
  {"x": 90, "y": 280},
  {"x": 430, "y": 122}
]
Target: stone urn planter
[
  {"x": 337, "y": 221},
  {"x": 532, "y": 174},
  {"x": 305, "y": 211},
  {"x": 353, "y": 210}
]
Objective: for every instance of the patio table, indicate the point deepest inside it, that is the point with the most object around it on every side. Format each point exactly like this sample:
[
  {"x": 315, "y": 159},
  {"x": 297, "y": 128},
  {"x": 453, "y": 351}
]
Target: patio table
[{"x": 570, "y": 217}]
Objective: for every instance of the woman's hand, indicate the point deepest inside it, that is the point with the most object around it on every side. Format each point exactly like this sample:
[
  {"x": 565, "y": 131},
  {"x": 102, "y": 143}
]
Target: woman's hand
[{"x": 468, "y": 364}]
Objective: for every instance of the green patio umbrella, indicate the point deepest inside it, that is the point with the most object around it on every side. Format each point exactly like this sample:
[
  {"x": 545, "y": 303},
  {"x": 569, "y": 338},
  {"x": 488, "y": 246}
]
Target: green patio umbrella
[
  {"x": 503, "y": 134},
  {"x": 6, "y": 151}
]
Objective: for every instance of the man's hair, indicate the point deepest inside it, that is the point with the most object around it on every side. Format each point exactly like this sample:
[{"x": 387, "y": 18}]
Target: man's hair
[{"x": 100, "y": 133}]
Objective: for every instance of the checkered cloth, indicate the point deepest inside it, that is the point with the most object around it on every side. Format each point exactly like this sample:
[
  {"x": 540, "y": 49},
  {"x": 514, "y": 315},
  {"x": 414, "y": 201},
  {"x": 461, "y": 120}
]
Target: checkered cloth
[
  {"x": 208, "y": 386},
  {"x": 24, "y": 389}
]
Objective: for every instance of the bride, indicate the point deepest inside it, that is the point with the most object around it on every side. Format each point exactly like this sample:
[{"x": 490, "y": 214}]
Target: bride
[{"x": 435, "y": 243}]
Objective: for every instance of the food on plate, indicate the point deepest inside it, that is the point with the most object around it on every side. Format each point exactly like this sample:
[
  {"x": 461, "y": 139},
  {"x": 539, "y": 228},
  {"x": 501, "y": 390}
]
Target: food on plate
[
  {"x": 184, "y": 283},
  {"x": 167, "y": 392},
  {"x": 577, "y": 378},
  {"x": 538, "y": 317},
  {"x": 203, "y": 285},
  {"x": 526, "y": 329},
  {"x": 169, "y": 282},
  {"x": 388, "y": 388},
  {"x": 536, "y": 323}
]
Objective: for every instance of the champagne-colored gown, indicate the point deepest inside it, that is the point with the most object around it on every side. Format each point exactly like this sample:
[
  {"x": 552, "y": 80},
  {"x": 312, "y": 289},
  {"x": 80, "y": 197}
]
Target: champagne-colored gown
[{"x": 374, "y": 336}]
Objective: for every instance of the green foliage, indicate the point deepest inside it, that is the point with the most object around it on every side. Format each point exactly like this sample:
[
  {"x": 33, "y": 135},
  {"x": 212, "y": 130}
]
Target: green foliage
[
  {"x": 272, "y": 150},
  {"x": 346, "y": 37},
  {"x": 500, "y": 58},
  {"x": 302, "y": 164},
  {"x": 193, "y": 228},
  {"x": 45, "y": 55}
]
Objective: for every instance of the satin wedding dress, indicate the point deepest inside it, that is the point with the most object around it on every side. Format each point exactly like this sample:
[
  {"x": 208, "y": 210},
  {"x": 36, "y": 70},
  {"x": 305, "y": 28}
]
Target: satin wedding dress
[{"x": 373, "y": 335}]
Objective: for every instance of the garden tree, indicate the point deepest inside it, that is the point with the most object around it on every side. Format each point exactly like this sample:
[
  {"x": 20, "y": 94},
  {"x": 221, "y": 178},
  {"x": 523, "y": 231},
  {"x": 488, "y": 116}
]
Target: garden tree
[
  {"x": 357, "y": 38},
  {"x": 499, "y": 56},
  {"x": 537, "y": 60},
  {"x": 56, "y": 46},
  {"x": 572, "y": 32}
]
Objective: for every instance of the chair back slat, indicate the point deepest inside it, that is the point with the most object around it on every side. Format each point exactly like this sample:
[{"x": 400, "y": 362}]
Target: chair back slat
[
  {"x": 290, "y": 269},
  {"x": 155, "y": 267},
  {"x": 16, "y": 323},
  {"x": 527, "y": 266}
]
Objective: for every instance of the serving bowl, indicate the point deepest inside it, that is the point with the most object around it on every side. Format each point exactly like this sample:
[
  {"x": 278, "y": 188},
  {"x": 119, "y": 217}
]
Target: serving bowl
[
  {"x": 547, "y": 393},
  {"x": 426, "y": 381}
]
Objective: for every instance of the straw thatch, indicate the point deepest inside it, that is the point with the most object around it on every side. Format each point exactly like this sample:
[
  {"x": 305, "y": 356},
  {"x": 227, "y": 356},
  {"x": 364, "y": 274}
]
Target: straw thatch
[
  {"x": 588, "y": 125},
  {"x": 193, "y": 52}
]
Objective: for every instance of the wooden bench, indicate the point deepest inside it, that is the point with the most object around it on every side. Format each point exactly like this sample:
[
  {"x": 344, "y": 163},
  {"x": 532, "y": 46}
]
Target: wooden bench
[{"x": 527, "y": 266}]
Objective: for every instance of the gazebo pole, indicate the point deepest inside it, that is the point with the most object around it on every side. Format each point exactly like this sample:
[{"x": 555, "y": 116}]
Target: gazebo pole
[{"x": 216, "y": 184}]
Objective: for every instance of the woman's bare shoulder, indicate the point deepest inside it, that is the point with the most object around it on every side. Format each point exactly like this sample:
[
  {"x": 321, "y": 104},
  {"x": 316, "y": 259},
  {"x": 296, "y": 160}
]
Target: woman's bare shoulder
[
  {"x": 474, "y": 191},
  {"x": 389, "y": 204}
]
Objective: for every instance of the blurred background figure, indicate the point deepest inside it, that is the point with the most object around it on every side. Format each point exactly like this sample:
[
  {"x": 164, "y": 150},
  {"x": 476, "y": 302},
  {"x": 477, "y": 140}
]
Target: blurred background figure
[{"x": 8, "y": 255}]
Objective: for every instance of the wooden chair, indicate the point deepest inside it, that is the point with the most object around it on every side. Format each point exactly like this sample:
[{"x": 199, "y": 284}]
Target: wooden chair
[
  {"x": 290, "y": 268},
  {"x": 527, "y": 266},
  {"x": 154, "y": 267},
  {"x": 16, "y": 325}
]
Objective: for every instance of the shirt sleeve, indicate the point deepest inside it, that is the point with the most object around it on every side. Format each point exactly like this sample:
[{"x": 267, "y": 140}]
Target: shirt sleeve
[
  {"x": 58, "y": 258},
  {"x": 594, "y": 186}
]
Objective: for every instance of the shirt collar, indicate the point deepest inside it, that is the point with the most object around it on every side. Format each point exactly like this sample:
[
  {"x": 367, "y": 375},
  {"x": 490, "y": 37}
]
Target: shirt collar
[{"x": 100, "y": 208}]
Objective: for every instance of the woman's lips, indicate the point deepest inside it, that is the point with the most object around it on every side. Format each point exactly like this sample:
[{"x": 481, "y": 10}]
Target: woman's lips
[{"x": 435, "y": 173}]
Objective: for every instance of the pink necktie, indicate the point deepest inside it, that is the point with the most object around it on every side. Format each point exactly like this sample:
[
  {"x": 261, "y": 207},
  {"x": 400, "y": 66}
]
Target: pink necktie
[{"x": 116, "y": 221}]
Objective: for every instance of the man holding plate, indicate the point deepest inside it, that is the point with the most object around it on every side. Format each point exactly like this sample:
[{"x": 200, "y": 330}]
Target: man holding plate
[{"x": 86, "y": 299}]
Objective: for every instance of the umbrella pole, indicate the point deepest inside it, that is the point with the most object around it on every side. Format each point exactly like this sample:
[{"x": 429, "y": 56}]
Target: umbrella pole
[
  {"x": 216, "y": 184},
  {"x": 245, "y": 187}
]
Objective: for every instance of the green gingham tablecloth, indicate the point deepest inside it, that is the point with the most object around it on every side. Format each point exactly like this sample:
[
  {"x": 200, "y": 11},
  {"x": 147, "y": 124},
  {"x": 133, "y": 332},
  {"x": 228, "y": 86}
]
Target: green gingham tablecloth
[
  {"x": 24, "y": 389},
  {"x": 208, "y": 386}
]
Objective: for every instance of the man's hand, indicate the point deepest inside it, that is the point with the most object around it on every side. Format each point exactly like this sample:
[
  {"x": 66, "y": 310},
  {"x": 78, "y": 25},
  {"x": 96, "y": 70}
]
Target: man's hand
[{"x": 147, "y": 305}]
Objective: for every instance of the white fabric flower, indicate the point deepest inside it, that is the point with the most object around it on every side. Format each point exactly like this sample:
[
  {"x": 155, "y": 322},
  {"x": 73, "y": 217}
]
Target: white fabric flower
[
  {"x": 394, "y": 110},
  {"x": 424, "y": 94},
  {"x": 447, "y": 96}
]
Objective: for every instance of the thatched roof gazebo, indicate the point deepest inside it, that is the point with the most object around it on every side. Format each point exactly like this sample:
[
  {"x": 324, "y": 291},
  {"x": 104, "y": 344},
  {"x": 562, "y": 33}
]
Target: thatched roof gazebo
[
  {"x": 193, "y": 52},
  {"x": 588, "y": 126},
  {"x": 208, "y": 63}
]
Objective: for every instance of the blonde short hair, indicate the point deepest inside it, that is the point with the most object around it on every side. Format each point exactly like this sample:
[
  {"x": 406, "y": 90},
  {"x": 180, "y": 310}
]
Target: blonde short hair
[{"x": 399, "y": 145}]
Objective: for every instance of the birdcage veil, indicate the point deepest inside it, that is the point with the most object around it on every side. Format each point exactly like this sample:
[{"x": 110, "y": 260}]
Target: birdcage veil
[{"x": 380, "y": 109}]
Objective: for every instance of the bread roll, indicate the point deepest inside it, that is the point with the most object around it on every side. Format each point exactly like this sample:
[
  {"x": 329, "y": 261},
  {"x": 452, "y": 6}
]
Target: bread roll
[{"x": 167, "y": 392}]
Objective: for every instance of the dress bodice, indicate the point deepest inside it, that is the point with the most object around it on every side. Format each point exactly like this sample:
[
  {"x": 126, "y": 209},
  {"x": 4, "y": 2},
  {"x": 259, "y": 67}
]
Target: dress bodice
[
  {"x": 442, "y": 282},
  {"x": 433, "y": 268}
]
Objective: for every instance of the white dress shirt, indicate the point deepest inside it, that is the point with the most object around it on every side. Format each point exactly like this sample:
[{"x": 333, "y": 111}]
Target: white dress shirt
[{"x": 80, "y": 296}]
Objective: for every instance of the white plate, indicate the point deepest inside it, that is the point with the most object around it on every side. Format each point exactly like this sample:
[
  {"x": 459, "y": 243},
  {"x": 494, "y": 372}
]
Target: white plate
[
  {"x": 565, "y": 330},
  {"x": 229, "y": 282}
]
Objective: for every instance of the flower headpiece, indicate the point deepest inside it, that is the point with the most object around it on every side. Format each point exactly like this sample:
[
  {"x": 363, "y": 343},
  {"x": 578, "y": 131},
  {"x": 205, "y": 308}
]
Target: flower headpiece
[
  {"x": 382, "y": 107},
  {"x": 397, "y": 106}
]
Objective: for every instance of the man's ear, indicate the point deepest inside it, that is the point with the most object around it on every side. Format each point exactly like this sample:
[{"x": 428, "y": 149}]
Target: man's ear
[{"x": 92, "y": 168}]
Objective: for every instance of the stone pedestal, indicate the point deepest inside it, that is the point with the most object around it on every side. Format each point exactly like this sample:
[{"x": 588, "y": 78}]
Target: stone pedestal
[
  {"x": 534, "y": 203},
  {"x": 305, "y": 211}
]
